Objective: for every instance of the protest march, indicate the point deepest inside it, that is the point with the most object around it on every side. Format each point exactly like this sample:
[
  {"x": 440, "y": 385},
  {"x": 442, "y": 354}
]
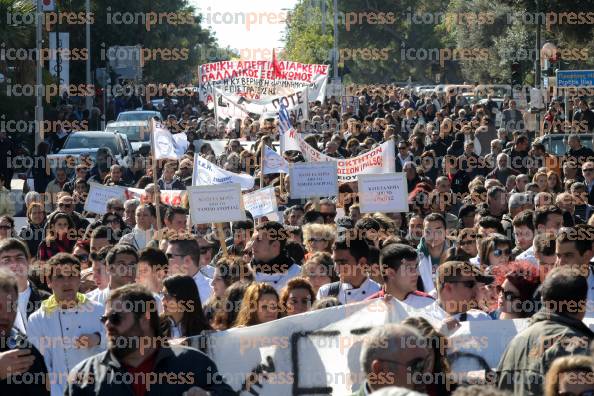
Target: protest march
[{"x": 290, "y": 223}]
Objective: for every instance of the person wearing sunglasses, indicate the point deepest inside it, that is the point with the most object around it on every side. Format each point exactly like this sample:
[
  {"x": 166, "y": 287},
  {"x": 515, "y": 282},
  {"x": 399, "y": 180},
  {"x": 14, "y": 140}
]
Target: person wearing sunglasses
[
  {"x": 126, "y": 327},
  {"x": 458, "y": 290},
  {"x": 556, "y": 330},
  {"x": 81, "y": 251},
  {"x": 393, "y": 355},
  {"x": 69, "y": 316},
  {"x": 494, "y": 250},
  {"x": 328, "y": 210},
  {"x": 517, "y": 283},
  {"x": 570, "y": 376}
]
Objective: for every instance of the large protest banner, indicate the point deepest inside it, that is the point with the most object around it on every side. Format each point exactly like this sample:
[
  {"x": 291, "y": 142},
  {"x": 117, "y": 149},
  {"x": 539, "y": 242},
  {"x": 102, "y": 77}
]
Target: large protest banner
[
  {"x": 168, "y": 197},
  {"x": 295, "y": 101},
  {"x": 259, "y": 79},
  {"x": 312, "y": 353},
  {"x": 378, "y": 160},
  {"x": 318, "y": 352}
]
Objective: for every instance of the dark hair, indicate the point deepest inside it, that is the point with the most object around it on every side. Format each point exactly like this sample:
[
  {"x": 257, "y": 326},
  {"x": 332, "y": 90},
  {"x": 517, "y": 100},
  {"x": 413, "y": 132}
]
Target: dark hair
[
  {"x": 154, "y": 257},
  {"x": 564, "y": 285},
  {"x": 357, "y": 247},
  {"x": 436, "y": 217},
  {"x": 14, "y": 244},
  {"x": 183, "y": 288},
  {"x": 581, "y": 235},
  {"x": 187, "y": 247},
  {"x": 233, "y": 269},
  {"x": 296, "y": 251},
  {"x": 541, "y": 215},
  {"x": 62, "y": 259},
  {"x": 173, "y": 210},
  {"x": 104, "y": 232},
  {"x": 544, "y": 243},
  {"x": 143, "y": 303},
  {"x": 9, "y": 219},
  {"x": 278, "y": 229},
  {"x": 392, "y": 255},
  {"x": 311, "y": 216},
  {"x": 491, "y": 222},
  {"x": 101, "y": 254},
  {"x": 120, "y": 249},
  {"x": 225, "y": 317},
  {"x": 524, "y": 218}
]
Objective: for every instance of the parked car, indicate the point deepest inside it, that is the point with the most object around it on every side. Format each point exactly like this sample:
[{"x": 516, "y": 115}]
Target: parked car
[
  {"x": 556, "y": 143},
  {"x": 137, "y": 132},
  {"x": 86, "y": 144},
  {"x": 138, "y": 115}
]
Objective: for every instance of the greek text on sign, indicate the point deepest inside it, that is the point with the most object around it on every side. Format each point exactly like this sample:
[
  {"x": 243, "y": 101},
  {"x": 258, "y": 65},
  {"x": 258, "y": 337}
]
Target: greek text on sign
[
  {"x": 261, "y": 202},
  {"x": 216, "y": 204},
  {"x": 313, "y": 179},
  {"x": 99, "y": 195},
  {"x": 385, "y": 193}
]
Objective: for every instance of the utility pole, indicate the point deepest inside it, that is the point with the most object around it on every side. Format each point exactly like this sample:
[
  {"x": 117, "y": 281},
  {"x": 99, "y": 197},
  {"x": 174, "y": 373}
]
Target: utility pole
[
  {"x": 323, "y": 17},
  {"x": 38, "y": 79},
  {"x": 335, "y": 60},
  {"x": 537, "y": 76},
  {"x": 88, "y": 98}
]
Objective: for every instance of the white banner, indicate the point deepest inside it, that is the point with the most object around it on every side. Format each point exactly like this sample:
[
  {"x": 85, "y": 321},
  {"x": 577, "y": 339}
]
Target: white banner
[
  {"x": 166, "y": 145},
  {"x": 386, "y": 193},
  {"x": 256, "y": 79},
  {"x": 216, "y": 204},
  {"x": 274, "y": 162},
  {"x": 99, "y": 194},
  {"x": 378, "y": 160},
  {"x": 168, "y": 197},
  {"x": 295, "y": 101},
  {"x": 313, "y": 179},
  {"x": 261, "y": 202},
  {"x": 208, "y": 174}
]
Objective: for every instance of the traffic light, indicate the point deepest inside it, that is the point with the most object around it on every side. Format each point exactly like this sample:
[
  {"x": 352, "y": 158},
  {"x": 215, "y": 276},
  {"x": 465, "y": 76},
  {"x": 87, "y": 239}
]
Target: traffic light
[{"x": 516, "y": 74}]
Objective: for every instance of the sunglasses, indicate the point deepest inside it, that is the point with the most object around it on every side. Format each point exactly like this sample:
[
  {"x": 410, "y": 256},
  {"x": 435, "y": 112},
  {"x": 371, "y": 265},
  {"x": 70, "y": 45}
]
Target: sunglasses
[
  {"x": 118, "y": 209},
  {"x": 469, "y": 284},
  {"x": 501, "y": 252},
  {"x": 507, "y": 295},
  {"x": 64, "y": 205},
  {"x": 82, "y": 257},
  {"x": 317, "y": 240},
  {"x": 170, "y": 256},
  {"x": 588, "y": 170},
  {"x": 115, "y": 318}
]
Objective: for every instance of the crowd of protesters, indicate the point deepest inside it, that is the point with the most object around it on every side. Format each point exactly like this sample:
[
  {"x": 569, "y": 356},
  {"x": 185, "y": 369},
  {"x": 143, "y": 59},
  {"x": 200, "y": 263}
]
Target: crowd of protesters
[{"x": 498, "y": 228}]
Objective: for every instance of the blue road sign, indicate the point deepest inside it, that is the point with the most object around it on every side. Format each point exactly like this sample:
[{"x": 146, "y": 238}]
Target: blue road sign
[{"x": 575, "y": 78}]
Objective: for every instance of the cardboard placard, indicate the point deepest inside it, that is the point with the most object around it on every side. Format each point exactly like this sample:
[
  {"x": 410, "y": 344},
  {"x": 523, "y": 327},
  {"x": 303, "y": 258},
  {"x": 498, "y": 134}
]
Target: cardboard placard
[
  {"x": 216, "y": 204},
  {"x": 385, "y": 192},
  {"x": 314, "y": 180},
  {"x": 99, "y": 195}
]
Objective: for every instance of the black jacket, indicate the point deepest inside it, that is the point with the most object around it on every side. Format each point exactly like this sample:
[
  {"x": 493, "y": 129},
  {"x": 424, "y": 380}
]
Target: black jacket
[
  {"x": 98, "y": 375},
  {"x": 22, "y": 385},
  {"x": 35, "y": 299},
  {"x": 33, "y": 235}
]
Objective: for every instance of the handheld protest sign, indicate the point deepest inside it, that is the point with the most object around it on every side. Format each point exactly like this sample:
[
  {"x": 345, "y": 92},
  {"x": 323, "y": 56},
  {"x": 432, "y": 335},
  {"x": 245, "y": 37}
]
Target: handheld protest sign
[
  {"x": 261, "y": 202},
  {"x": 384, "y": 192},
  {"x": 219, "y": 203},
  {"x": 313, "y": 179},
  {"x": 99, "y": 194}
]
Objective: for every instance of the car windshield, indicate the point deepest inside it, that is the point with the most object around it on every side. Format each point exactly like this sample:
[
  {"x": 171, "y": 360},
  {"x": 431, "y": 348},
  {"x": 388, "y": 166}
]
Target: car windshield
[
  {"x": 135, "y": 116},
  {"x": 558, "y": 145},
  {"x": 81, "y": 140},
  {"x": 135, "y": 133}
]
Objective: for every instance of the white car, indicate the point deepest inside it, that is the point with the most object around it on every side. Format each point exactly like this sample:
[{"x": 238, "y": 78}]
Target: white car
[{"x": 138, "y": 115}]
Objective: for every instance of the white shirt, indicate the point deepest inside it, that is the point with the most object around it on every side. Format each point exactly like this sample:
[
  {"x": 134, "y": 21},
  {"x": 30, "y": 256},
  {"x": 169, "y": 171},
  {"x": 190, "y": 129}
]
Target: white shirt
[
  {"x": 528, "y": 255},
  {"x": 278, "y": 281},
  {"x": 590, "y": 297},
  {"x": 53, "y": 335},
  {"x": 348, "y": 294},
  {"x": 418, "y": 300},
  {"x": 21, "y": 319},
  {"x": 204, "y": 286}
]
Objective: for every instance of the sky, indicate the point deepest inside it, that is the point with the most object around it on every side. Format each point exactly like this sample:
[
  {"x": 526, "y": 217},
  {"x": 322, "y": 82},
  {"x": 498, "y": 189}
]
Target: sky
[{"x": 253, "y": 27}]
